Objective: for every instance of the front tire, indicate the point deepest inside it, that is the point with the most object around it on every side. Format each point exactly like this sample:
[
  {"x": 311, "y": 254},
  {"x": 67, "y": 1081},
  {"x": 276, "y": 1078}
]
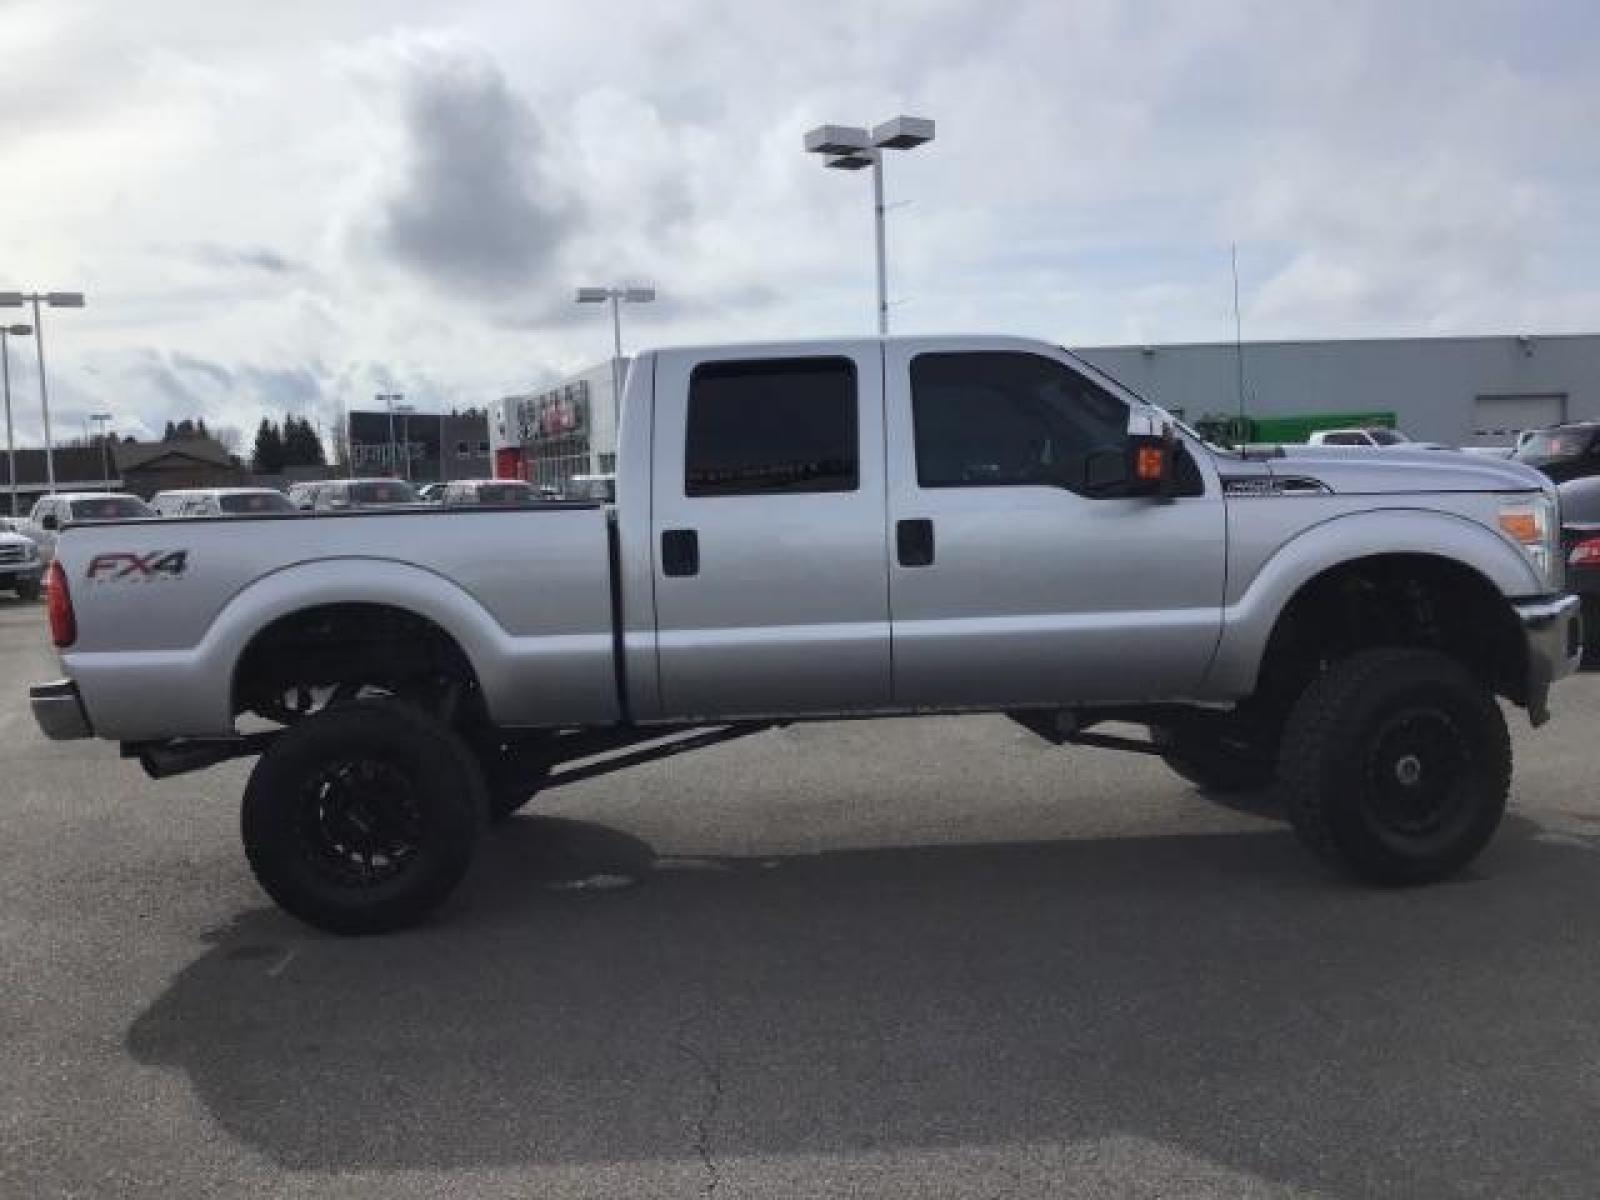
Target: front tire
[
  {"x": 364, "y": 817},
  {"x": 1396, "y": 764}
]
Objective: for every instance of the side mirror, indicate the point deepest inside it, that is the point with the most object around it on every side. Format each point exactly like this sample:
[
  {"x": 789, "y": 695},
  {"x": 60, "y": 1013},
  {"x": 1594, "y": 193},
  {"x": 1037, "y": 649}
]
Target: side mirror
[
  {"x": 1105, "y": 472},
  {"x": 49, "y": 521}
]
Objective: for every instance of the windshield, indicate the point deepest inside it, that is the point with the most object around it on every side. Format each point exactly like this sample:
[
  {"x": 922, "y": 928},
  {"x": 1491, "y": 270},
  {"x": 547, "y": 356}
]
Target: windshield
[
  {"x": 110, "y": 508},
  {"x": 388, "y": 491},
  {"x": 1388, "y": 437},
  {"x": 255, "y": 502},
  {"x": 1554, "y": 443}
]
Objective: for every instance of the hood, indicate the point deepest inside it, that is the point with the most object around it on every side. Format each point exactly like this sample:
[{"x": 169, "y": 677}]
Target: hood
[{"x": 1365, "y": 470}]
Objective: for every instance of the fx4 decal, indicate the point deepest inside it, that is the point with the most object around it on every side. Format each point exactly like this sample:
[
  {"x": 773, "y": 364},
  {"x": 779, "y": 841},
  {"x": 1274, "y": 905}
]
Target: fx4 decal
[{"x": 158, "y": 564}]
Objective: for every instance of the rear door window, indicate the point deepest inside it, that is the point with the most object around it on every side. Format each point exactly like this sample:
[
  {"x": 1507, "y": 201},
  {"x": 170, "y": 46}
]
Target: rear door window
[{"x": 772, "y": 427}]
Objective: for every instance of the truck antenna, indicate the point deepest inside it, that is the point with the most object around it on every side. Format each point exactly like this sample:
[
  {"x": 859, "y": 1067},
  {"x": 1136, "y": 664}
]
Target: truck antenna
[{"x": 1238, "y": 332}]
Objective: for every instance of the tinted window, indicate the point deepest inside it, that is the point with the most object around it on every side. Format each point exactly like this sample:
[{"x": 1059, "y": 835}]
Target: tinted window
[
  {"x": 1555, "y": 443},
  {"x": 255, "y": 502},
  {"x": 110, "y": 508},
  {"x": 389, "y": 491},
  {"x": 1388, "y": 437},
  {"x": 771, "y": 427},
  {"x": 1002, "y": 418},
  {"x": 1343, "y": 439}
]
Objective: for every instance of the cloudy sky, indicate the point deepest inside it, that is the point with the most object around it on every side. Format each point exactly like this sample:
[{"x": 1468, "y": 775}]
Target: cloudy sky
[{"x": 287, "y": 207}]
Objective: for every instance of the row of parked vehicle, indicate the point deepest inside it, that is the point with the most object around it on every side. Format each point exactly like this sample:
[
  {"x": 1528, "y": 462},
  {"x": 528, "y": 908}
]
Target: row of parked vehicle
[{"x": 27, "y": 544}]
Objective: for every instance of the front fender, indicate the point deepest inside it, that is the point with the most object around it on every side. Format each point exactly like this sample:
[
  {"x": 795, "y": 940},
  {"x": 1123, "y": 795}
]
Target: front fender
[{"x": 1248, "y": 622}]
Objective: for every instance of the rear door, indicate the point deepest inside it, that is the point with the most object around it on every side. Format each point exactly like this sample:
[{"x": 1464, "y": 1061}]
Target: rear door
[
  {"x": 770, "y": 558},
  {"x": 1014, "y": 580}
]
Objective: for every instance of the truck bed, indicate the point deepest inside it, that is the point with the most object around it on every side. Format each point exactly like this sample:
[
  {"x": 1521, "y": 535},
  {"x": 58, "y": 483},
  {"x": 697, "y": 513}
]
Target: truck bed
[{"x": 166, "y": 607}]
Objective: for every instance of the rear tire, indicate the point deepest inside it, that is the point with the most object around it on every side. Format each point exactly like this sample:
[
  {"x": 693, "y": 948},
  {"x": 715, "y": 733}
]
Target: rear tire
[
  {"x": 1396, "y": 764},
  {"x": 364, "y": 817}
]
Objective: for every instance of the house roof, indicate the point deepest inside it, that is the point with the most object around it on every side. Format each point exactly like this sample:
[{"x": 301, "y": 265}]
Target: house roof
[{"x": 132, "y": 456}]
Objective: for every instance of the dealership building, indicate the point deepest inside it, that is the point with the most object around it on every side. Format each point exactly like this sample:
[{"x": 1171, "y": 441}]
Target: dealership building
[
  {"x": 552, "y": 434},
  {"x": 421, "y": 447},
  {"x": 1462, "y": 391}
]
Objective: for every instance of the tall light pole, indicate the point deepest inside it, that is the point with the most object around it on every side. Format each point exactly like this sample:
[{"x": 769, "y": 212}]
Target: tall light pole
[
  {"x": 389, "y": 400},
  {"x": 54, "y": 300},
  {"x": 405, "y": 411},
  {"x": 7, "y": 332},
  {"x": 850, "y": 148},
  {"x": 618, "y": 296},
  {"x": 103, "y": 420}
]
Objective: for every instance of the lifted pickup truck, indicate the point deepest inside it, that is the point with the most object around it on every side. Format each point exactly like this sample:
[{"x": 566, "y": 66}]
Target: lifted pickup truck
[{"x": 841, "y": 528}]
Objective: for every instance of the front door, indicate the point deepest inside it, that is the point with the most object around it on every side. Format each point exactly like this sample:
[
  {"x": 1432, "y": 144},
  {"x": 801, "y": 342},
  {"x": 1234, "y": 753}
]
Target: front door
[
  {"x": 1019, "y": 577},
  {"x": 771, "y": 566}
]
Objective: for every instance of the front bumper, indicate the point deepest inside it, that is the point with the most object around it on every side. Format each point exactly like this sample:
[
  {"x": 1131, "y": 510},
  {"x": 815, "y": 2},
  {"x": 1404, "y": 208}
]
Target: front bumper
[
  {"x": 1553, "y": 627},
  {"x": 58, "y": 710}
]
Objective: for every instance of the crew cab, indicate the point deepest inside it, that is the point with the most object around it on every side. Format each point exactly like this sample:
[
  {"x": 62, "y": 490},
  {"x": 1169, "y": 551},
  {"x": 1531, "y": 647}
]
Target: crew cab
[{"x": 847, "y": 528}]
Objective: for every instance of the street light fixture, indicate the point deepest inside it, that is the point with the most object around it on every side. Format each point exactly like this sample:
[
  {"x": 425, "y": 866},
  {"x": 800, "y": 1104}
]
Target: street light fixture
[
  {"x": 618, "y": 296},
  {"x": 54, "y": 300},
  {"x": 6, "y": 333},
  {"x": 851, "y": 148}
]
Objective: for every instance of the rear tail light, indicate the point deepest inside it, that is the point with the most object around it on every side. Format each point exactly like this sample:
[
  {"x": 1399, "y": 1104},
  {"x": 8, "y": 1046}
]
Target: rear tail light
[
  {"x": 63, "y": 622},
  {"x": 1585, "y": 554}
]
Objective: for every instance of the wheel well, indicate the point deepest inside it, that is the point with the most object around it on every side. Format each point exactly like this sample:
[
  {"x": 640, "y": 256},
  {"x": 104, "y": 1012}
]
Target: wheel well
[
  {"x": 1396, "y": 600},
  {"x": 373, "y": 645}
]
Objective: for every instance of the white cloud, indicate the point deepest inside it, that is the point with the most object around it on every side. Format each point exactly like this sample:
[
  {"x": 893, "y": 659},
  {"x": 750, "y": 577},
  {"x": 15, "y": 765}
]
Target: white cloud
[{"x": 321, "y": 200}]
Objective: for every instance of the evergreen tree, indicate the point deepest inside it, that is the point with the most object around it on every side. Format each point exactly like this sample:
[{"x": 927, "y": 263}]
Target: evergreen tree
[
  {"x": 200, "y": 428},
  {"x": 269, "y": 458},
  {"x": 171, "y": 433}
]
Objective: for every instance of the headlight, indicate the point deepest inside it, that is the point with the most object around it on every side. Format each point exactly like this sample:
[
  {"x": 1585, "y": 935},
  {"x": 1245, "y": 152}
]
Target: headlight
[{"x": 1530, "y": 521}]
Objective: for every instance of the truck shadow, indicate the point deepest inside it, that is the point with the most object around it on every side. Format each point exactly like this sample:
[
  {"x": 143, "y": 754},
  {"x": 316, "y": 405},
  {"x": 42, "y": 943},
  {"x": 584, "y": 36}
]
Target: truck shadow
[{"x": 584, "y": 1001}]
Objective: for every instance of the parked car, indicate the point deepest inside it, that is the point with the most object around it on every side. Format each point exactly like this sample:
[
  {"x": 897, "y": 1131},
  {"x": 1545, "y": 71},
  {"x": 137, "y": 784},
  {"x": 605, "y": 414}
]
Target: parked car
[
  {"x": 20, "y": 564},
  {"x": 299, "y": 494},
  {"x": 1580, "y": 543},
  {"x": 1562, "y": 451},
  {"x": 430, "y": 493},
  {"x": 864, "y": 527},
  {"x": 487, "y": 491},
  {"x": 220, "y": 502},
  {"x": 344, "y": 495},
  {"x": 1376, "y": 435},
  {"x": 53, "y": 512},
  {"x": 601, "y": 488}
]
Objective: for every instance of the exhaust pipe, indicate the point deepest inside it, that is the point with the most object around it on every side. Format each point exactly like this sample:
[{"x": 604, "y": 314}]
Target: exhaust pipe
[{"x": 179, "y": 756}]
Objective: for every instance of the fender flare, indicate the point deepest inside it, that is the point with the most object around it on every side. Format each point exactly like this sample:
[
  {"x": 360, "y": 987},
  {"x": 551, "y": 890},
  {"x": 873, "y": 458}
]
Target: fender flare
[{"x": 1248, "y": 623}]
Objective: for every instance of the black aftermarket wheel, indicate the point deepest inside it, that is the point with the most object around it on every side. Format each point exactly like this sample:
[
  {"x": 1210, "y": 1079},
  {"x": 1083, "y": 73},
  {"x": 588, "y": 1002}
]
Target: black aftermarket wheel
[
  {"x": 363, "y": 818},
  {"x": 1396, "y": 764}
]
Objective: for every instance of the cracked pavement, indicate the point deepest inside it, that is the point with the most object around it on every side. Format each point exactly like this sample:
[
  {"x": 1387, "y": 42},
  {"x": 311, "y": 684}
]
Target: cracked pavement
[{"x": 932, "y": 958}]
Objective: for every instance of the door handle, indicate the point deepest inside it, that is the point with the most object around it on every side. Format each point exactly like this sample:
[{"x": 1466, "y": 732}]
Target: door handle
[
  {"x": 913, "y": 541},
  {"x": 680, "y": 552}
]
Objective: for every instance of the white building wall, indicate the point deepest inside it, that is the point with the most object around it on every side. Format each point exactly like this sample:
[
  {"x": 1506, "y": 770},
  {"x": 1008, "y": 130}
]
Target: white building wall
[
  {"x": 1432, "y": 384},
  {"x": 504, "y": 426}
]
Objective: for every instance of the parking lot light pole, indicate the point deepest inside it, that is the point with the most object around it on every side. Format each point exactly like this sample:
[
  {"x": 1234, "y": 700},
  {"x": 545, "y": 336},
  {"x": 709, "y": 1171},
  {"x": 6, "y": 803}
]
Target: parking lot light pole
[
  {"x": 6, "y": 333},
  {"x": 54, "y": 300},
  {"x": 851, "y": 148},
  {"x": 388, "y": 400},
  {"x": 405, "y": 411},
  {"x": 103, "y": 420},
  {"x": 618, "y": 296}
]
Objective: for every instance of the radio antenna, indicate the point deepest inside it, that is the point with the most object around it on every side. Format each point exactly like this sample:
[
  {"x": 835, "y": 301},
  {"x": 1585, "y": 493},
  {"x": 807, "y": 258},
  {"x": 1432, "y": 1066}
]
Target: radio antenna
[{"x": 1238, "y": 331}]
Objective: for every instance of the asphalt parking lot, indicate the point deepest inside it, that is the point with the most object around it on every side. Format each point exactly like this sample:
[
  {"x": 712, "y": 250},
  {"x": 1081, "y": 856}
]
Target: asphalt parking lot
[{"x": 933, "y": 958}]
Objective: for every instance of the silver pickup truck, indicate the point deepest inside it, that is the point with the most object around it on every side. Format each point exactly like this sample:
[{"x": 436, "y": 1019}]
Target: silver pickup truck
[{"x": 841, "y": 528}]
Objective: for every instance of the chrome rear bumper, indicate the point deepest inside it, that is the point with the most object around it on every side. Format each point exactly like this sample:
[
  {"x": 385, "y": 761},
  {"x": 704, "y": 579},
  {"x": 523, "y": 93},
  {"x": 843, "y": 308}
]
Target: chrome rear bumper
[{"x": 58, "y": 710}]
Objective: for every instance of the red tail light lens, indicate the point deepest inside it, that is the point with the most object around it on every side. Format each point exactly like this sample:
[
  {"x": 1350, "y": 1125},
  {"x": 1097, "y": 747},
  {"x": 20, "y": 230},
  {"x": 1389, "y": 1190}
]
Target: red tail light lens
[
  {"x": 63, "y": 621},
  {"x": 1585, "y": 554}
]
